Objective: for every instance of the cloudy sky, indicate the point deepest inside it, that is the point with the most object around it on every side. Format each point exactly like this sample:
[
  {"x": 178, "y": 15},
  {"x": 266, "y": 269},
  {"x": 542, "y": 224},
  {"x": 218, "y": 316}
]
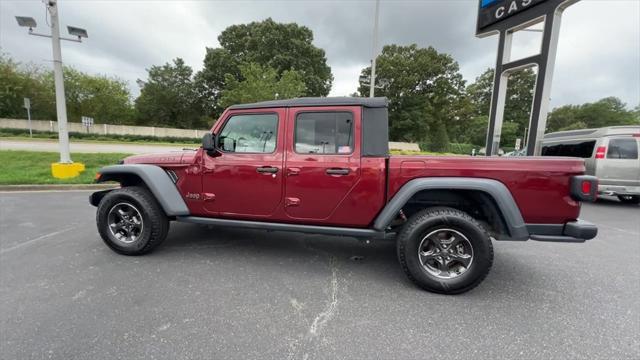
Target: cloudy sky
[{"x": 598, "y": 55}]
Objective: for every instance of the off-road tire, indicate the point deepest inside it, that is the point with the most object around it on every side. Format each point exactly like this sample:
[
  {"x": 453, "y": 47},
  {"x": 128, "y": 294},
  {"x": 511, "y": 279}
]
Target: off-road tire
[
  {"x": 154, "y": 220},
  {"x": 432, "y": 219},
  {"x": 629, "y": 199}
]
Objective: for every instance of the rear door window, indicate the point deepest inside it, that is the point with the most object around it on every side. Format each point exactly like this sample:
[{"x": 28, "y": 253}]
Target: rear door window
[
  {"x": 579, "y": 149},
  {"x": 324, "y": 133},
  {"x": 626, "y": 148}
]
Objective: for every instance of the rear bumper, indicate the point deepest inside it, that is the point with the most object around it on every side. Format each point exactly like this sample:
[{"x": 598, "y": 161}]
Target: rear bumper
[
  {"x": 618, "y": 190},
  {"x": 572, "y": 231}
]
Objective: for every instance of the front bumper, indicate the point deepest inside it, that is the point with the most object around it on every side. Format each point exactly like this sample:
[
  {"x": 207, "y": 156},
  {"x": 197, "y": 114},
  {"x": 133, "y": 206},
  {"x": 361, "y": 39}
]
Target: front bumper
[{"x": 572, "y": 231}]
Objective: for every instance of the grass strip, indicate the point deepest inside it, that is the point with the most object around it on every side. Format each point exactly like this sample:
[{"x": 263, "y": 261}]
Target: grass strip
[{"x": 27, "y": 167}]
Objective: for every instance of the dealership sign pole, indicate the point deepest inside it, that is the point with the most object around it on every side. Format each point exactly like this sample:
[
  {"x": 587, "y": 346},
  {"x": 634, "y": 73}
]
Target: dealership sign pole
[{"x": 505, "y": 17}]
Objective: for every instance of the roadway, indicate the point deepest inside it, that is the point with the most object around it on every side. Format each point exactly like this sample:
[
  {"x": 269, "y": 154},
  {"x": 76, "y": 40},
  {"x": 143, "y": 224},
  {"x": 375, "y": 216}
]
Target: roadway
[{"x": 245, "y": 294}]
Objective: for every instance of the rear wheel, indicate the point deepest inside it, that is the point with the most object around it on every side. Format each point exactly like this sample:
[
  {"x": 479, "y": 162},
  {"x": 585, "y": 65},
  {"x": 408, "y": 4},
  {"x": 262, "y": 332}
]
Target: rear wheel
[
  {"x": 444, "y": 250},
  {"x": 629, "y": 199},
  {"x": 130, "y": 221}
]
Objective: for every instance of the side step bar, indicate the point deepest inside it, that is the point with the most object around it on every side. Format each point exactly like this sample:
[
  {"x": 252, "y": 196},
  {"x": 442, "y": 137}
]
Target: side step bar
[
  {"x": 310, "y": 229},
  {"x": 556, "y": 238}
]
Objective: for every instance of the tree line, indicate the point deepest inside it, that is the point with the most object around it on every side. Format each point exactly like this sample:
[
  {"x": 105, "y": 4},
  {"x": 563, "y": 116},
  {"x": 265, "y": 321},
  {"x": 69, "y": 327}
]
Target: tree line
[{"x": 429, "y": 101}]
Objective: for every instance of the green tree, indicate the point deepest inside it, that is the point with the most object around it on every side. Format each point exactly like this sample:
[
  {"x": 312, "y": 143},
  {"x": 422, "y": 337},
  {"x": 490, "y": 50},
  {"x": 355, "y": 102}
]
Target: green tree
[
  {"x": 425, "y": 90},
  {"x": 609, "y": 111},
  {"x": 211, "y": 80},
  {"x": 103, "y": 98},
  {"x": 510, "y": 132},
  {"x": 282, "y": 47},
  {"x": 106, "y": 99},
  {"x": 168, "y": 98},
  {"x": 261, "y": 83},
  {"x": 18, "y": 82},
  {"x": 518, "y": 103},
  {"x": 475, "y": 131},
  {"x": 440, "y": 139}
]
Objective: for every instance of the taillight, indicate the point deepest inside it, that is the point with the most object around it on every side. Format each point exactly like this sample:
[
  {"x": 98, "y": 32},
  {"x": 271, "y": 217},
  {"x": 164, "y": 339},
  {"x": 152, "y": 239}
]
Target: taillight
[
  {"x": 586, "y": 187},
  {"x": 600, "y": 151}
]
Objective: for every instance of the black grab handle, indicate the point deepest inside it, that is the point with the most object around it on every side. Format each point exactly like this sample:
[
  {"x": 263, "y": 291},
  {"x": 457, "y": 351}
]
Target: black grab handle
[{"x": 267, "y": 170}]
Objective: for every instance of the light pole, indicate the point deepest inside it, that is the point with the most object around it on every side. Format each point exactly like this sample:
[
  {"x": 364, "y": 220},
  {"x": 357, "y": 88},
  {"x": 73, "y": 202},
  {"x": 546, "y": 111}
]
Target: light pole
[
  {"x": 372, "y": 84},
  {"x": 65, "y": 168}
]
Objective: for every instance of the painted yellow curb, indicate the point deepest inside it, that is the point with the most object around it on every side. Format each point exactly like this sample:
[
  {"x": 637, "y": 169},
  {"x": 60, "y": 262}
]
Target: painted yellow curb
[{"x": 65, "y": 171}]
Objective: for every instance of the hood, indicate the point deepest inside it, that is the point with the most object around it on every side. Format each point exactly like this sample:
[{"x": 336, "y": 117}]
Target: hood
[{"x": 171, "y": 157}]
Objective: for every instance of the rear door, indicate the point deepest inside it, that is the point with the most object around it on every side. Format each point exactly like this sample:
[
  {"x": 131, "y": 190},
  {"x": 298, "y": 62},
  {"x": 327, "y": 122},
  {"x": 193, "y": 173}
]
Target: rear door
[
  {"x": 621, "y": 166},
  {"x": 322, "y": 160}
]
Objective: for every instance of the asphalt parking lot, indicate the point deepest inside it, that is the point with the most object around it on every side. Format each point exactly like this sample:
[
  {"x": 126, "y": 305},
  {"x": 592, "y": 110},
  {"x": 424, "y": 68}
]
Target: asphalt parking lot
[{"x": 230, "y": 293}]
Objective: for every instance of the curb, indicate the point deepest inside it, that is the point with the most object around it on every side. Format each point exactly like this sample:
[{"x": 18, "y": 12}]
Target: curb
[{"x": 59, "y": 187}]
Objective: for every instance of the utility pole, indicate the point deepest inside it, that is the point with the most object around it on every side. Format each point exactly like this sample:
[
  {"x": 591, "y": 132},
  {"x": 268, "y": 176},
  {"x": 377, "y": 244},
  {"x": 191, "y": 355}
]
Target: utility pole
[
  {"x": 372, "y": 82},
  {"x": 61, "y": 104},
  {"x": 65, "y": 168}
]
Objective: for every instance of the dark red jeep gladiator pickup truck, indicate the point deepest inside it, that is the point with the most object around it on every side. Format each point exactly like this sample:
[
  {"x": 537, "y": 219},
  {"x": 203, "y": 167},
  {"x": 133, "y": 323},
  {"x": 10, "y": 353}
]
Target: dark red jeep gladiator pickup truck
[{"x": 322, "y": 165}]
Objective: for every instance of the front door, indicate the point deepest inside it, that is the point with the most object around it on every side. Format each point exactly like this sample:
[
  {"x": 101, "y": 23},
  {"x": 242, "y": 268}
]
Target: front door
[
  {"x": 245, "y": 181},
  {"x": 323, "y": 161}
]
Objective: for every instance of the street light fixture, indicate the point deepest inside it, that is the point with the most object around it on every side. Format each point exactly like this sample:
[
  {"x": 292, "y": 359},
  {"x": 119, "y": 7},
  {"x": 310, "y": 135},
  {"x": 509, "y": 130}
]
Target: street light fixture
[
  {"x": 65, "y": 168},
  {"x": 76, "y": 31},
  {"x": 26, "y": 21}
]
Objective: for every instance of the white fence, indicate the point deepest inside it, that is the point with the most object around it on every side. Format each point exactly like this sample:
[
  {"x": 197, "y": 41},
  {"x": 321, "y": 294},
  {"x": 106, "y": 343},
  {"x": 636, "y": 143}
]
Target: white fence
[
  {"x": 106, "y": 129},
  {"x": 102, "y": 129}
]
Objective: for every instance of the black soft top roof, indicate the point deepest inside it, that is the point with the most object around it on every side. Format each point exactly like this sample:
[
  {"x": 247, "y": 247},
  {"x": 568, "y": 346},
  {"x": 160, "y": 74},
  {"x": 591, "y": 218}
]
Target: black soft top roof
[{"x": 376, "y": 102}]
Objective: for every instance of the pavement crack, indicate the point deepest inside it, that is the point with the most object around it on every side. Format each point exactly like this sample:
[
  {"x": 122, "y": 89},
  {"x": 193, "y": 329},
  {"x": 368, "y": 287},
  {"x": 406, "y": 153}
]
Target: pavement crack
[
  {"x": 308, "y": 342},
  {"x": 326, "y": 315}
]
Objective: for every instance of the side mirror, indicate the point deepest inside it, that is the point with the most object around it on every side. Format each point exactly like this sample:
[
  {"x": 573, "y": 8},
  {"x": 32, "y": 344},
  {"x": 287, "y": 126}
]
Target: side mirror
[
  {"x": 208, "y": 142},
  {"x": 209, "y": 145}
]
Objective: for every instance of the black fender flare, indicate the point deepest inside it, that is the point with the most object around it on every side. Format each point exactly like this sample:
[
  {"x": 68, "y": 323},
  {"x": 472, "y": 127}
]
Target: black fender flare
[
  {"x": 498, "y": 191},
  {"x": 156, "y": 179}
]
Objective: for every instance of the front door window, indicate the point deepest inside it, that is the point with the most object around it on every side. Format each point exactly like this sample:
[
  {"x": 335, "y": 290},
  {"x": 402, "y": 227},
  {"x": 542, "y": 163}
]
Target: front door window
[{"x": 251, "y": 133}]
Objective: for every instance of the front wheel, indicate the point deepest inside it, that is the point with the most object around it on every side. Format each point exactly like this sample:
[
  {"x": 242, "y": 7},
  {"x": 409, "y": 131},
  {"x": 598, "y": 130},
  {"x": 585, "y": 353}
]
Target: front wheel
[
  {"x": 629, "y": 199},
  {"x": 130, "y": 221},
  {"x": 444, "y": 250}
]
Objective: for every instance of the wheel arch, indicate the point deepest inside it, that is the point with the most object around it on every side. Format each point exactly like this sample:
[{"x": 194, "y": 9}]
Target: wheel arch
[
  {"x": 489, "y": 196},
  {"x": 152, "y": 177}
]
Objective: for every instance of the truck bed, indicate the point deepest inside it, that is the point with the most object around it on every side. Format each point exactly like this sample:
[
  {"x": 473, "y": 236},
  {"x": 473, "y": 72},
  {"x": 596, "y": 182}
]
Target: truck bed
[{"x": 529, "y": 180}]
